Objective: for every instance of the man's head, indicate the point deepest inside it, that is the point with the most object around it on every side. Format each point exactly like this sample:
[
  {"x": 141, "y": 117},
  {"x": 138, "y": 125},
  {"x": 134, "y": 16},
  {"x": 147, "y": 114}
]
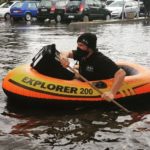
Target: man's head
[
  {"x": 86, "y": 46},
  {"x": 88, "y": 39}
]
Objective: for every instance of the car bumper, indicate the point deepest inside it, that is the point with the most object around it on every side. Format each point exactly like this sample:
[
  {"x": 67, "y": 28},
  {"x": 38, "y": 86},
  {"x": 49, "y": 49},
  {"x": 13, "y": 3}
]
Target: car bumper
[
  {"x": 70, "y": 16},
  {"x": 45, "y": 16},
  {"x": 115, "y": 15}
]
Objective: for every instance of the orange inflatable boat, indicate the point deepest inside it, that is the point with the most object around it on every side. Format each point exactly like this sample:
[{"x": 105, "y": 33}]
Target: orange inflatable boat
[{"x": 27, "y": 82}]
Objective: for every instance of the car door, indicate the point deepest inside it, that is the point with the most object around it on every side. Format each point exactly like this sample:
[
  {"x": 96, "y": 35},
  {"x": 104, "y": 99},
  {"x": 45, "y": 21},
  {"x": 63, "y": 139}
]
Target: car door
[
  {"x": 97, "y": 7},
  {"x": 92, "y": 10},
  {"x": 32, "y": 7},
  {"x": 101, "y": 10}
]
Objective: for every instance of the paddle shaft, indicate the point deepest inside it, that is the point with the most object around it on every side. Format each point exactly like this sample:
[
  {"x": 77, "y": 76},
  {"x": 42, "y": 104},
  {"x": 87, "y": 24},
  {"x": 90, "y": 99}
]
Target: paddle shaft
[{"x": 94, "y": 87}]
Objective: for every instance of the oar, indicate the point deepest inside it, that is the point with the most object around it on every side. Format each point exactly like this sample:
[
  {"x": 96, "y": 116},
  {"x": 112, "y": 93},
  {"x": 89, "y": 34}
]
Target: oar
[{"x": 94, "y": 87}]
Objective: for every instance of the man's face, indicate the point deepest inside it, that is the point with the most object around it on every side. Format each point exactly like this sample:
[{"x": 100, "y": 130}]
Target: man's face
[
  {"x": 82, "y": 51},
  {"x": 83, "y": 47}
]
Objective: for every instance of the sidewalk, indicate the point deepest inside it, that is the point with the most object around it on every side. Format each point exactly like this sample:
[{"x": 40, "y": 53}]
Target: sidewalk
[{"x": 110, "y": 21}]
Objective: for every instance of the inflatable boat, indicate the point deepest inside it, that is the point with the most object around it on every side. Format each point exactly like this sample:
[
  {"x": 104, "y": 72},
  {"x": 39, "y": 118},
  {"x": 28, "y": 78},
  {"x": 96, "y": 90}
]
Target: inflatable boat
[{"x": 40, "y": 82}]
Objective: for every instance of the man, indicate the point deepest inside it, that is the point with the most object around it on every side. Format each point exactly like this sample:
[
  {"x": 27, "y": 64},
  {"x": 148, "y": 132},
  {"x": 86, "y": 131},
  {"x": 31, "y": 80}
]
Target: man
[{"x": 93, "y": 65}]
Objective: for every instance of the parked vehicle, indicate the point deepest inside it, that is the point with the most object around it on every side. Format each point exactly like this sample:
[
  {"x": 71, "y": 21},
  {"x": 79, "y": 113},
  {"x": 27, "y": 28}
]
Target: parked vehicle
[
  {"x": 24, "y": 9},
  {"x": 142, "y": 8},
  {"x": 120, "y": 7},
  {"x": 86, "y": 10},
  {"x": 52, "y": 10},
  {"x": 60, "y": 8},
  {"x": 46, "y": 10},
  {"x": 5, "y": 9}
]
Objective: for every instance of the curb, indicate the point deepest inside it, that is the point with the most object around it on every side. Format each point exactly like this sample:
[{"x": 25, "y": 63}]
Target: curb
[{"x": 109, "y": 21}]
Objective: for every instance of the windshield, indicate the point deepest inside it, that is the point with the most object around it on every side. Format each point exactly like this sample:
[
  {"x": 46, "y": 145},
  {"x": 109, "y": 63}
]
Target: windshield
[
  {"x": 73, "y": 3},
  {"x": 116, "y": 4},
  {"x": 7, "y": 5},
  {"x": 46, "y": 3},
  {"x": 61, "y": 3},
  {"x": 18, "y": 5}
]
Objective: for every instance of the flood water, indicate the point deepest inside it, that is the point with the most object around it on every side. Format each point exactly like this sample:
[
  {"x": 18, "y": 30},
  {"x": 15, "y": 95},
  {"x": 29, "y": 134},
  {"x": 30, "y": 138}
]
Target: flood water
[{"x": 78, "y": 129}]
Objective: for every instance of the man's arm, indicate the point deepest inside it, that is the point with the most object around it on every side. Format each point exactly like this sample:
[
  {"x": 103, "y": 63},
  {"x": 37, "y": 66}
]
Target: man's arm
[
  {"x": 118, "y": 80},
  {"x": 63, "y": 57}
]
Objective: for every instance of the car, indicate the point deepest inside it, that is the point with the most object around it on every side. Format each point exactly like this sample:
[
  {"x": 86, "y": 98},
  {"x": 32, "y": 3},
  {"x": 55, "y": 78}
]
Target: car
[
  {"x": 46, "y": 10},
  {"x": 60, "y": 7},
  {"x": 122, "y": 8},
  {"x": 86, "y": 10},
  {"x": 52, "y": 10},
  {"x": 5, "y": 9},
  {"x": 24, "y": 9},
  {"x": 142, "y": 8}
]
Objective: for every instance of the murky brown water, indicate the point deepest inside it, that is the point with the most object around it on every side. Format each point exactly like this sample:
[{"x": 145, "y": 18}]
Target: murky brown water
[{"x": 83, "y": 128}]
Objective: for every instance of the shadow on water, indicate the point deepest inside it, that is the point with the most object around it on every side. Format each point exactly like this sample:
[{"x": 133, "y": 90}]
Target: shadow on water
[
  {"x": 73, "y": 128},
  {"x": 133, "y": 103}
]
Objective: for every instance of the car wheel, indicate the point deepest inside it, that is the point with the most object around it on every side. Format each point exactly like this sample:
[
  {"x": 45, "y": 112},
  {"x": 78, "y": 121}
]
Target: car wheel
[
  {"x": 58, "y": 18},
  {"x": 108, "y": 17},
  {"x": 86, "y": 18},
  {"x": 7, "y": 16},
  {"x": 28, "y": 17}
]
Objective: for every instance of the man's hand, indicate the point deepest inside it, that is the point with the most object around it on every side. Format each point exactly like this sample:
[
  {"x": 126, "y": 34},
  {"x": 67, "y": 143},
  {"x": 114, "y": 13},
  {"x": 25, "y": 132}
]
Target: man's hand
[
  {"x": 64, "y": 61},
  {"x": 109, "y": 96}
]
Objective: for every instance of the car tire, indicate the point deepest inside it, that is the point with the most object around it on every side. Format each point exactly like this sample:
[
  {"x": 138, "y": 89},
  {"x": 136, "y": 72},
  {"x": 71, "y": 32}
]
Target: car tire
[
  {"x": 28, "y": 17},
  {"x": 86, "y": 18},
  {"x": 7, "y": 16},
  {"x": 108, "y": 17},
  {"x": 58, "y": 18}
]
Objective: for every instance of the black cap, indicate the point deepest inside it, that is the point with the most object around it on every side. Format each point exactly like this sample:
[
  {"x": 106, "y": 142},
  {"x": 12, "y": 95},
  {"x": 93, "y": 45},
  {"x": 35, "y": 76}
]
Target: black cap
[{"x": 89, "y": 39}]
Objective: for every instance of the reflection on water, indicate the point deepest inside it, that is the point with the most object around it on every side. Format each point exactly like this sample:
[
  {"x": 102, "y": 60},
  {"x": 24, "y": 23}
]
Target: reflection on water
[{"x": 81, "y": 128}]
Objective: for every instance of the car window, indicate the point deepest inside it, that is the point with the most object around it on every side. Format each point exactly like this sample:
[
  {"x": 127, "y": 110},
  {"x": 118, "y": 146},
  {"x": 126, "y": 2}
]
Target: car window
[
  {"x": 45, "y": 3},
  {"x": 135, "y": 3},
  {"x": 73, "y": 3},
  {"x": 89, "y": 2},
  {"x": 32, "y": 5},
  {"x": 96, "y": 3},
  {"x": 108, "y": 2},
  {"x": 37, "y": 4},
  {"x": 18, "y": 5},
  {"x": 60, "y": 3},
  {"x": 1, "y": 5},
  {"x": 116, "y": 4},
  {"x": 6, "y": 5},
  {"x": 128, "y": 4}
]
